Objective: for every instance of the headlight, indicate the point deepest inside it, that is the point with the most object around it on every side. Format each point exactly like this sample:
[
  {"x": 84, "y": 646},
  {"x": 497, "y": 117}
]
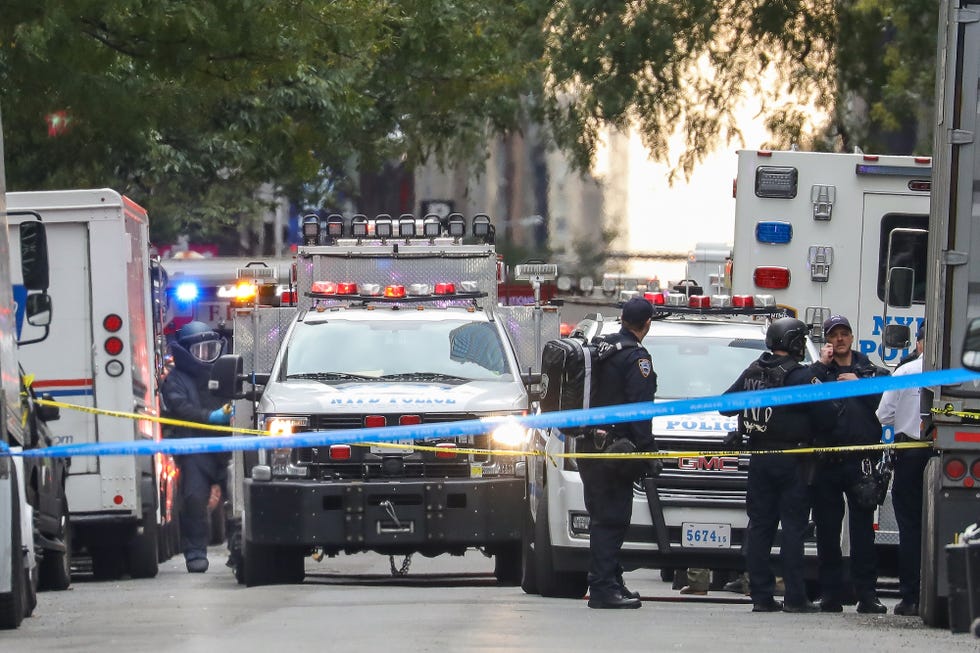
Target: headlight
[
  {"x": 509, "y": 434},
  {"x": 279, "y": 425},
  {"x": 281, "y": 460}
]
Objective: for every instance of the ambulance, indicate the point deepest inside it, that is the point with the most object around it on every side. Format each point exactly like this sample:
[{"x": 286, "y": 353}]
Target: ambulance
[
  {"x": 821, "y": 232},
  {"x": 105, "y": 352},
  {"x": 396, "y": 322}
]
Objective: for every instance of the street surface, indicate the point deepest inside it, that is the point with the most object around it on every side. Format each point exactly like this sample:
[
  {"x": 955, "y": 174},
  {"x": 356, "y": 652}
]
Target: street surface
[{"x": 444, "y": 604}]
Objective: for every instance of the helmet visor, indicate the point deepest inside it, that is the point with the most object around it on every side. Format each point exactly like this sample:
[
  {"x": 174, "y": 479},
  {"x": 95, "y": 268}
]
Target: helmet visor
[{"x": 207, "y": 351}]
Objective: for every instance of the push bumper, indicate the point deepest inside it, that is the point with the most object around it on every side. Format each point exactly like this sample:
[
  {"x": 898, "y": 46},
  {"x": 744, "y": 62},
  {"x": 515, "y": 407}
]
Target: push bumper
[{"x": 405, "y": 515}]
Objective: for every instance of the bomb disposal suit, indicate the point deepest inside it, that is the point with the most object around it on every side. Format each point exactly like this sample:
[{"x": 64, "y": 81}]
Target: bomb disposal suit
[{"x": 388, "y": 331}]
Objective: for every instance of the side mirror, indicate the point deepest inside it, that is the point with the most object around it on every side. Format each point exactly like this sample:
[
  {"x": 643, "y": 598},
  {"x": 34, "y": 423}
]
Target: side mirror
[
  {"x": 226, "y": 377},
  {"x": 897, "y": 336},
  {"x": 899, "y": 287},
  {"x": 38, "y": 309},
  {"x": 533, "y": 383},
  {"x": 34, "y": 255},
  {"x": 48, "y": 413},
  {"x": 971, "y": 346}
]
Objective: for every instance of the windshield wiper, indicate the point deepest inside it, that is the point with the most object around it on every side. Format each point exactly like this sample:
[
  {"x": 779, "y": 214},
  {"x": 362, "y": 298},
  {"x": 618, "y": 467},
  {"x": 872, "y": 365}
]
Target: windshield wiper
[
  {"x": 423, "y": 376},
  {"x": 330, "y": 376}
]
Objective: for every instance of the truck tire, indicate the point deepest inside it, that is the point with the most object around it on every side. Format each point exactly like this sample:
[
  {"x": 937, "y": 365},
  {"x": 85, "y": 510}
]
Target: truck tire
[
  {"x": 13, "y": 605},
  {"x": 142, "y": 552},
  {"x": 551, "y": 582},
  {"x": 266, "y": 564},
  {"x": 529, "y": 572},
  {"x": 507, "y": 565},
  {"x": 932, "y": 607},
  {"x": 55, "y": 573}
]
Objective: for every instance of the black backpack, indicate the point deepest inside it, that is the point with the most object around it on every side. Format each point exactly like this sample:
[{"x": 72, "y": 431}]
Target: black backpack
[{"x": 569, "y": 371}]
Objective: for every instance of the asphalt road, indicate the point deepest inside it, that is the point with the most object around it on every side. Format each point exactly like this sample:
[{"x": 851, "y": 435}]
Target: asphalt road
[{"x": 445, "y": 604}]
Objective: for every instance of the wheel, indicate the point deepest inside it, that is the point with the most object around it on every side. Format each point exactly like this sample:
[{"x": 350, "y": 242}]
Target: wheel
[
  {"x": 266, "y": 564},
  {"x": 932, "y": 607},
  {"x": 529, "y": 572},
  {"x": 667, "y": 575},
  {"x": 553, "y": 583},
  {"x": 142, "y": 552},
  {"x": 507, "y": 566},
  {"x": 55, "y": 573},
  {"x": 13, "y": 605}
]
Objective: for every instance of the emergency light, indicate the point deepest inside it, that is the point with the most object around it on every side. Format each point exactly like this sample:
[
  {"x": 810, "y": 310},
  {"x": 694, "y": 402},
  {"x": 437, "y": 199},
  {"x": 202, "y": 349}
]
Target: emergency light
[
  {"x": 186, "y": 291},
  {"x": 359, "y": 226},
  {"x": 431, "y": 225},
  {"x": 383, "y": 226},
  {"x": 457, "y": 225},
  {"x": 773, "y": 232},
  {"x": 311, "y": 229},
  {"x": 773, "y": 277},
  {"x": 335, "y": 225},
  {"x": 406, "y": 225}
]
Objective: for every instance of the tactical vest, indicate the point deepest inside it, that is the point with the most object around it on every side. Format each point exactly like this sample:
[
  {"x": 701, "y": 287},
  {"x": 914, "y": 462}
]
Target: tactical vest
[{"x": 774, "y": 424}]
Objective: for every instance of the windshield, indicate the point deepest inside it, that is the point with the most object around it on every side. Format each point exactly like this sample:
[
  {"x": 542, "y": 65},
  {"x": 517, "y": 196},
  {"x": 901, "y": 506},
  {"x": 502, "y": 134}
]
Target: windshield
[
  {"x": 690, "y": 367},
  {"x": 451, "y": 351}
]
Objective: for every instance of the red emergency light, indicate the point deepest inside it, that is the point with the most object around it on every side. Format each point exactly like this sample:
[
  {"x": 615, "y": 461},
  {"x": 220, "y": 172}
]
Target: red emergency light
[
  {"x": 771, "y": 277},
  {"x": 444, "y": 288},
  {"x": 395, "y": 291},
  {"x": 408, "y": 420},
  {"x": 655, "y": 298},
  {"x": 375, "y": 421},
  {"x": 112, "y": 323},
  {"x": 699, "y": 301},
  {"x": 743, "y": 301},
  {"x": 339, "y": 452},
  {"x": 446, "y": 450}
]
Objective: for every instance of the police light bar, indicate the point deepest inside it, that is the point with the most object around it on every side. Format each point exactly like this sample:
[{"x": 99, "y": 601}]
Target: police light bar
[
  {"x": 536, "y": 272},
  {"x": 891, "y": 171}
]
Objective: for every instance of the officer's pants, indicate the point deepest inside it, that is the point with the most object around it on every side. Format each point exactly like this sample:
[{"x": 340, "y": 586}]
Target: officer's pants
[
  {"x": 609, "y": 500},
  {"x": 198, "y": 473},
  {"x": 832, "y": 483},
  {"x": 776, "y": 494},
  {"x": 910, "y": 466}
]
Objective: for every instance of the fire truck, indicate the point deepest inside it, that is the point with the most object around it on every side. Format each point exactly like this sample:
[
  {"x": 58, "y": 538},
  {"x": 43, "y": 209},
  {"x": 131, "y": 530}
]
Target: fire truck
[
  {"x": 396, "y": 322},
  {"x": 950, "y": 501},
  {"x": 18, "y": 564},
  {"x": 106, "y": 354}
]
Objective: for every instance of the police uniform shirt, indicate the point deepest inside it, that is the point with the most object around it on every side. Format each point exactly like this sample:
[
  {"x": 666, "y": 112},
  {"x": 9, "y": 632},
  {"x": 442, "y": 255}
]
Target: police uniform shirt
[
  {"x": 900, "y": 408},
  {"x": 628, "y": 377}
]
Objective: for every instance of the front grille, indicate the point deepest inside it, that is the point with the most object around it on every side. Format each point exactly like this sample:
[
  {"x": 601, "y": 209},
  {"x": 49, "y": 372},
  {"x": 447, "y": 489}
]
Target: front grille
[{"x": 365, "y": 464}]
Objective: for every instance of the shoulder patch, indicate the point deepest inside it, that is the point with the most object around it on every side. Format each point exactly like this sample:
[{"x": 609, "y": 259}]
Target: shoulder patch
[{"x": 646, "y": 366}]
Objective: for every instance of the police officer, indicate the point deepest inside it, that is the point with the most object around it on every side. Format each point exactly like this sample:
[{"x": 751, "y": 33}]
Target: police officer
[
  {"x": 901, "y": 409},
  {"x": 626, "y": 376},
  {"x": 837, "y": 475},
  {"x": 777, "y": 485},
  {"x": 186, "y": 397}
]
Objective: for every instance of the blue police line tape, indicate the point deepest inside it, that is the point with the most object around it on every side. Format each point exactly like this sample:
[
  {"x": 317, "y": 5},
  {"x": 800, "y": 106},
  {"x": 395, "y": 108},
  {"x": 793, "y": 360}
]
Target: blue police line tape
[{"x": 582, "y": 417}]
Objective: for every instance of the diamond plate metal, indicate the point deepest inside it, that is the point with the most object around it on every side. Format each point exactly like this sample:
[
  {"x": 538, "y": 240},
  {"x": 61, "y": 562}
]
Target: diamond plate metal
[
  {"x": 521, "y": 324},
  {"x": 887, "y": 532},
  {"x": 259, "y": 333}
]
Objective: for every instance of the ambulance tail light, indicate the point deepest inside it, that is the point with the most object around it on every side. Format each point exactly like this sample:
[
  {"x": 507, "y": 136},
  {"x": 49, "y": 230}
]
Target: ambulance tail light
[
  {"x": 699, "y": 301},
  {"x": 339, "y": 452},
  {"x": 743, "y": 301},
  {"x": 776, "y": 278},
  {"x": 955, "y": 469},
  {"x": 113, "y": 346},
  {"x": 112, "y": 323},
  {"x": 375, "y": 421},
  {"x": 975, "y": 469},
  {"x": 773, "y": 232},
  {"x": 446, "y": 450}
]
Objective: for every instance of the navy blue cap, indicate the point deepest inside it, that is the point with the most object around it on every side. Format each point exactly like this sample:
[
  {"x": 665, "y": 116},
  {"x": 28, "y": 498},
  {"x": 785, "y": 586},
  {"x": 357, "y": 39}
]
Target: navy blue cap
[
  {"x": 835, "y": 321},
  {"x": 921, "y": 333},
  {"x": 637, "y": 311}
]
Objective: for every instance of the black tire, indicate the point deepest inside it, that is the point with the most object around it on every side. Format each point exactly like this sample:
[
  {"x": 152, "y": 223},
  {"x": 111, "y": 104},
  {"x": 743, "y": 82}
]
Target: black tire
[
  {"x": 529, "y": 572},
  {"x": 13, "y": 605},
  {"x": 55, "y": 573},
  {"x": 142, "y": 553},
  {"x": 507, "y": 565},
  {"x": 667, "y": 575},
  {"x": 932, "y": 607},
  {"x": 551, "y": 582},
  {"x": 266, "y": 564}
]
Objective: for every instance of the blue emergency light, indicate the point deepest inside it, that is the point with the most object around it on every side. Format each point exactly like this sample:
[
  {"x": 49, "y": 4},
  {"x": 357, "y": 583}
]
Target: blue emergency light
[
  {"x": 186, "y": 291},
  {"x": 773, "y": 232}
]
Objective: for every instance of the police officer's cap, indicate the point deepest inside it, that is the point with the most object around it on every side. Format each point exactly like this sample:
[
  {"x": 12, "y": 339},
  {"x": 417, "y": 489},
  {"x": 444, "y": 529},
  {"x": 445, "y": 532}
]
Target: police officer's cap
[{"x": 637, "y": 311}]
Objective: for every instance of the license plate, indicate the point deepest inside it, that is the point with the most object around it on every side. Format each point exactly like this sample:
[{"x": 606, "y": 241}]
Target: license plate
[
  {"x": 716, "y": 536},
  {"x": 392, "y": 448}
]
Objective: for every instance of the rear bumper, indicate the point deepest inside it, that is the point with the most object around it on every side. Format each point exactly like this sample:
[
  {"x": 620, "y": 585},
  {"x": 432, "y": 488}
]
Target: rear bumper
[{"x": 398, "y": 516}]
